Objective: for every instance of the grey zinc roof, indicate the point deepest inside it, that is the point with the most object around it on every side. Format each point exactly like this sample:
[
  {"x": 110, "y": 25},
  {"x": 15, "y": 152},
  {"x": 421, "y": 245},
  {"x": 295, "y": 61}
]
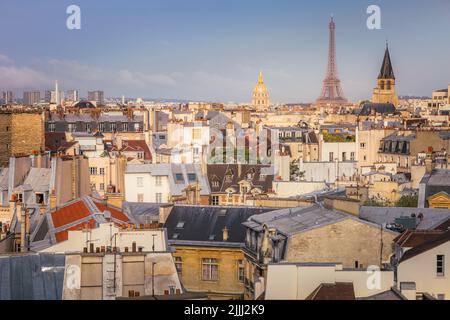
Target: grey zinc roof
[
  {"x": 4, "y": 176},
  {"x": 142, "y": 213},
  {"x": 440, "y": 177},
  {"x": 295, "y": 220},
  {"x": 39, "y": 179},
  {"x": 384, "y": 215},
  {"x": 31, "y": 277}
]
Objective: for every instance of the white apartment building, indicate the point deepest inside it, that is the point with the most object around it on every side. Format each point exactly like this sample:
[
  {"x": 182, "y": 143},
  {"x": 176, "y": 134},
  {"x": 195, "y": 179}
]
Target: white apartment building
[{"x": 159, "y": 183}]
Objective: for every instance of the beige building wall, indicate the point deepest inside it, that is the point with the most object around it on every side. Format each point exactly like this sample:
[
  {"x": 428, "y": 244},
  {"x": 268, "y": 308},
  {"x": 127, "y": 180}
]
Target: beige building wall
[
  {"x": 227, "y": 287},
  {"x": 343, "y": 242},
  {"x": 297, "y": 282},
  {"x": 369, "y": 143},
  {"x": 20, "y": 134},
  {"x": 421, "y": 269},
  {"x": 89, "y": 276}
]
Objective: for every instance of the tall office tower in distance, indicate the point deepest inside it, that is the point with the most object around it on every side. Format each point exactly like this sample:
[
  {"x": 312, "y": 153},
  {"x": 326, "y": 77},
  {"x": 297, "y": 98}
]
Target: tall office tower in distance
[
  {"x": 57, "y": 97},
  {"x": 31, "y": 97},
  {"x": 385, "y": 90},
  {"x": 7, "y": 97},
  {"x": 96, "y": 96},
  {"x": 260, "y": 97},
  {"x": 332, "y": 94},
  {"x": 72, "y": 95}
]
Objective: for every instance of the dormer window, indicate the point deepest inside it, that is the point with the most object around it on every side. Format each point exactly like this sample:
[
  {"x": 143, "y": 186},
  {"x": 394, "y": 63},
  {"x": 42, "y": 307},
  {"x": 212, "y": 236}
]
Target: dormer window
[
  {"x": 229, "y": 176},
  {"x": 250, "y": 174},
  {"x": 215, "y": 184},
  {"x": 179, "y": 178}
]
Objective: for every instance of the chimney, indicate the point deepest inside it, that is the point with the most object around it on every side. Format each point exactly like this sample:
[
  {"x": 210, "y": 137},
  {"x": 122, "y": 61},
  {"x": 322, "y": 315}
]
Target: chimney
[
  {"x": 53, "y": 200},
  {"x": 24, "y": 227},
  {"x": 428, "y": 165},
  {"x": 115, "y": 200},
  {"x": 225, "y": 234},
  {"x": 12, "y": 206},
  {"x": 164, "y": 212}
]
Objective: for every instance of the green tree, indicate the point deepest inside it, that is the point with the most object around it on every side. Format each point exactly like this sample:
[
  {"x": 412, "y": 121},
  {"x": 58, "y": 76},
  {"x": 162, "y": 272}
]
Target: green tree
[{"x": 409, "y": 201}]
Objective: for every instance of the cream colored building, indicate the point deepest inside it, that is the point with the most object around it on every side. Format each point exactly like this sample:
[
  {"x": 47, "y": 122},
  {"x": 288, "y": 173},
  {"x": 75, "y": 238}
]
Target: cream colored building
[
  {"x": 425, "y": 269},
  {"x": 296, "y": 281}
]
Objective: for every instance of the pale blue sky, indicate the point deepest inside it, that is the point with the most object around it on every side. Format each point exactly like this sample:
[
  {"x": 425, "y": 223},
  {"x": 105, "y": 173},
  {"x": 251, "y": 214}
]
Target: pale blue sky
[{"x": 214, "y": 49}]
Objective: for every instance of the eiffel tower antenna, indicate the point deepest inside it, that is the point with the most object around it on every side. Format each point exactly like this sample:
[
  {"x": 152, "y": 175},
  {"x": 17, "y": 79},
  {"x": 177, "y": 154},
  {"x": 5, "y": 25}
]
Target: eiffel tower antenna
[{"x": 332, "y": 93}]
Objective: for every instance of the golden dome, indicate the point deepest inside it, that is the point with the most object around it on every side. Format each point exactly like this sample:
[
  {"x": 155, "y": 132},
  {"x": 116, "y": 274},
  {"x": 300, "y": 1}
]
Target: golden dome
[{"x": 260, "y": 98}]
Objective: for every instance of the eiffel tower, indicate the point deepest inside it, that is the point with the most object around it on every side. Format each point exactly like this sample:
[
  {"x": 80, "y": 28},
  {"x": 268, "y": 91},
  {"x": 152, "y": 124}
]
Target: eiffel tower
[{"x": 332, "y": 92}]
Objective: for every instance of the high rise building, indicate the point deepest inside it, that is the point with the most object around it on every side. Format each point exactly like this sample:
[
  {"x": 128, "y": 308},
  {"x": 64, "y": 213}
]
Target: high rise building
[
  {"x": 72, "y": 95},
  {"x": 332, "y": 93},
  {"x": 31, "y": 97},
  {"x": 96, "y": 96},
  {"x": 7, "y": 97},
  {"x": 50, "y": 96},
  {"x": 260, "y": 98},
  {"x": 385, "y": 90}
]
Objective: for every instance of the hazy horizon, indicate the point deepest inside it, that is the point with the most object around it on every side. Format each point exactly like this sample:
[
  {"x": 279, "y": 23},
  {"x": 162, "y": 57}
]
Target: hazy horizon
[{"x": 213, "y": 50}]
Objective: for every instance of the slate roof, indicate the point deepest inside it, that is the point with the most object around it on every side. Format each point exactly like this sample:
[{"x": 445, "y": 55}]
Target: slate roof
[
  {"x": 386, "y": 72},
  {"x": 84, "y": 105},
  {"x": 295, "y": 220},
  {"x": 218, "y": 173},
  {"x": 432, "y": 218},
  {"x": 31, "y": 276},
  {"x": 205, "y": 224},
  {"x": 379, "y": 108},
  {"x": 37, "y": 180},
  {"x": 142, "y": 213},
  {"x": 392, "y": 294}
]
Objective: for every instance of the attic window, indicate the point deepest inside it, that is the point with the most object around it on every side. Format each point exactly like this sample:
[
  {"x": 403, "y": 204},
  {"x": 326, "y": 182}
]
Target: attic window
[
  {"x": 229, "y": 176},
  {"x": 192, "y": 177},
  {"x": 215, "y": 184},
  {"x": 39, "y": 198},
  {"x": 179, "y": 177},
  {"x": 175, "y": 236}
]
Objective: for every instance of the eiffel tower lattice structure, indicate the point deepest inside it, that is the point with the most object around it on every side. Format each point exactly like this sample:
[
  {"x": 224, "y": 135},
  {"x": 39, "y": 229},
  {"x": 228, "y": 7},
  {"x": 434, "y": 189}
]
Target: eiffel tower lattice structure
[{"x": 332, "y": 93}]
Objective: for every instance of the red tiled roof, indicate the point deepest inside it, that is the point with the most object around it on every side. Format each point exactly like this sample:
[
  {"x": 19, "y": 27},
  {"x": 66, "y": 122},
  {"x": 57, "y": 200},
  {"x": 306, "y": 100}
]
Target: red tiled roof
[
  {"x": 79, "y": 210},
  {"x": 116, "y": 214},
  {"x": 64, "y": 235},
  {"x": 137, "y": 145},
  {"x": 69, "y": 214}
]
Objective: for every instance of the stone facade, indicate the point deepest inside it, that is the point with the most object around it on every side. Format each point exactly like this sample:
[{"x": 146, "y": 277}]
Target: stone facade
[
  {"x": 20, "y": 134},
  {"x": 349, "y": 242},
  {"x": 228, "y": 285}
]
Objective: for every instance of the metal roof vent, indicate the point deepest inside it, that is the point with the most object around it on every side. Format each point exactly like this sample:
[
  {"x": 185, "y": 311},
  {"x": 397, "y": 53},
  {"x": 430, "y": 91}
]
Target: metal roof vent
[{"x": 107, "y": 214}]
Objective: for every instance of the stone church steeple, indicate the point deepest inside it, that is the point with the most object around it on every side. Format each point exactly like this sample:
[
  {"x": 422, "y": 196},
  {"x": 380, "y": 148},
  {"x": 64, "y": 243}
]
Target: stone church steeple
[{"x": 385, "y": 91}]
